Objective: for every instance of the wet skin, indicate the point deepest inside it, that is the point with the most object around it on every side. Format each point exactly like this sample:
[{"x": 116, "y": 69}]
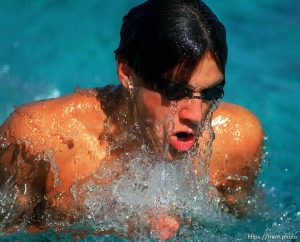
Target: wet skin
[{"x": 71, "y": 129}]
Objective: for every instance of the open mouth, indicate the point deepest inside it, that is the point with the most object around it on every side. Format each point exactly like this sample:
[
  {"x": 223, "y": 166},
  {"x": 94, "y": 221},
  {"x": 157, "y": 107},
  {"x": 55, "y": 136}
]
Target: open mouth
[{"x": 183, "y": 140}]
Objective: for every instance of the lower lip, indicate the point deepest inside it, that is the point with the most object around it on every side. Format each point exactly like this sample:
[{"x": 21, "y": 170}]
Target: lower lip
[{"x": 182, "y": 145}]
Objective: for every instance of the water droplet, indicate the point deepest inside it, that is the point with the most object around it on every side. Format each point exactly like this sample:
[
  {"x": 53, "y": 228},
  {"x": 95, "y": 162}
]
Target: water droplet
[
  {"x": 244, "y": 178},
  {"x": 3, "y": 142}
]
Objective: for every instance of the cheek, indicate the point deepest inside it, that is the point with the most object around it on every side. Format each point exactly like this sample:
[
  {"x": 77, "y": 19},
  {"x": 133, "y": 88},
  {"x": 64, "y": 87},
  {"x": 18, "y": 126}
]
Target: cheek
[{"x": 149, "y": 106}]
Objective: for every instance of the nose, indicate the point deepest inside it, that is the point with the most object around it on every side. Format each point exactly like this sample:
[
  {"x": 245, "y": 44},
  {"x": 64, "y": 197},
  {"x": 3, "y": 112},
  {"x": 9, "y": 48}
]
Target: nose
[{"x": 192, "y": 110}]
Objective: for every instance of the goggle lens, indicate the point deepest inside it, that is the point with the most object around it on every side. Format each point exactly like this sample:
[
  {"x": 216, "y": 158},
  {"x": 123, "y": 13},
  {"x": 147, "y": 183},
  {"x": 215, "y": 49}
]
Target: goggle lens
[{"x": 175, "y": 91}]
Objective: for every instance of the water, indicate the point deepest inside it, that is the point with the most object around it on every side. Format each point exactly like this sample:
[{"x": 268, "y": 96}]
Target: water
[{"x": 49, "y": 47}]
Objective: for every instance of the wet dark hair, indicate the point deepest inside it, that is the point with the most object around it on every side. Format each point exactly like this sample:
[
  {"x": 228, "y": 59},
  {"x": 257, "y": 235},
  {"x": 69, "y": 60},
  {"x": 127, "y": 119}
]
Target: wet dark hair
[{"x": 160, "y": 34}]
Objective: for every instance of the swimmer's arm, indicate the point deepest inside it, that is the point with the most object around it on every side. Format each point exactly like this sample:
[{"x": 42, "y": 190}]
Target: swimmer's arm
[
  {"x": 236, "y": 156},
  {"x": 22, "y": 175}
]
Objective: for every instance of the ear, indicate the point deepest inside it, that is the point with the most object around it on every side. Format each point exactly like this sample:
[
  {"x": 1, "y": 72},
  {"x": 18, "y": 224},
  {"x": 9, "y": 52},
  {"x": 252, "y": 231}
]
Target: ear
[{"x": 124, "y": 73}]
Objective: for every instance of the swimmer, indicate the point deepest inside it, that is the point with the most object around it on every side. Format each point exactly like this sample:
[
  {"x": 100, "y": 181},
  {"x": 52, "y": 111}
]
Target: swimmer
[{"x": 170, "y": 62}]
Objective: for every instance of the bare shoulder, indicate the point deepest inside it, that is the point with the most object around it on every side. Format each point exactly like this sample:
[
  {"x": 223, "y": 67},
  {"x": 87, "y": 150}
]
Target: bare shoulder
[
  {"x": 38, "y": 122},
  {"x": 35, "y": 134},
  {"x": 57, "y": 129},
  {"x": 236, "y": 154},
  {"x": 237, "y": 129}
]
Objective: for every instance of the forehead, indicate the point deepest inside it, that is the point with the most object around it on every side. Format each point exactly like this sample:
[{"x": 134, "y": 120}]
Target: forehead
[{"x": 205, "y": 74}]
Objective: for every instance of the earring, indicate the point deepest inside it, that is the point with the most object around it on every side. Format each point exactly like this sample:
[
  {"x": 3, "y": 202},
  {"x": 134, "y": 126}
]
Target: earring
[
  {"x": 131, "y": 88},
  {"x": 131, "y": 92}
]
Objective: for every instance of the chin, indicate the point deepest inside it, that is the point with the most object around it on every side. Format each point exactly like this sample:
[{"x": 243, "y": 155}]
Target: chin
[{"x": 174, "y": 154}]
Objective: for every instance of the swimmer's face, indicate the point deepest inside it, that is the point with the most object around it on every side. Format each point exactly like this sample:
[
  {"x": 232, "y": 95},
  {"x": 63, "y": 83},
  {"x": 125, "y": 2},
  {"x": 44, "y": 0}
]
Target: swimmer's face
[{"x": 174, "y": 122}]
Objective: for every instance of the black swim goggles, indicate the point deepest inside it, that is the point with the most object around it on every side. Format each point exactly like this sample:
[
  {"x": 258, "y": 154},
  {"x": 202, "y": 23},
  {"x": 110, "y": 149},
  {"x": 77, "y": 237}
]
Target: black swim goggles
[{"x": 175, "y": 91}]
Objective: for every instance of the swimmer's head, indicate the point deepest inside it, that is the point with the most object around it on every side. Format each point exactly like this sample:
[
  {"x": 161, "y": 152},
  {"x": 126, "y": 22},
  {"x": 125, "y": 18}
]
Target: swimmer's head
[{"x": 159, "y": 35}]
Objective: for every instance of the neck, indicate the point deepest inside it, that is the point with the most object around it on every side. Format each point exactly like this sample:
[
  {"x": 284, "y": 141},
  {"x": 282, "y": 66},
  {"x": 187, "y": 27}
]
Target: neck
[{"x": 120, "y": 131}]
